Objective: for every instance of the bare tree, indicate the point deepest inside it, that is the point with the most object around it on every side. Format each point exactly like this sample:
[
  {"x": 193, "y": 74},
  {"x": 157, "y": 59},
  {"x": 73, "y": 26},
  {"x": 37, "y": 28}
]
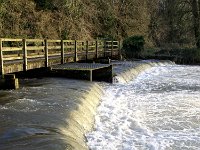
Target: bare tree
[{"x": 196, "y": 14}]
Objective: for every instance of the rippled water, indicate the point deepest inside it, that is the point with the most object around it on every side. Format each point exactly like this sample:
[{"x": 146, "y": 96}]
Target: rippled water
[
  {"x": 159, "y": 110},
  {"x": 39, "y": 115}
]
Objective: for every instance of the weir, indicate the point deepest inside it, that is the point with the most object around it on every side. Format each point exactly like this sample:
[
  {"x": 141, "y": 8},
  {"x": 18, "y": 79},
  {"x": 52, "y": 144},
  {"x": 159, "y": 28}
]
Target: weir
[
  {"x": 128, "y": 70},
  {"x": 54, "y": 113},
  {"x": 157, "y": 110}
]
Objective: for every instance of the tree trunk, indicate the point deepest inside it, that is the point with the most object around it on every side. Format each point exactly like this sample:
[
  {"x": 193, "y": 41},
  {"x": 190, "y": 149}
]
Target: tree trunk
[{"x": 195, "y": 12}]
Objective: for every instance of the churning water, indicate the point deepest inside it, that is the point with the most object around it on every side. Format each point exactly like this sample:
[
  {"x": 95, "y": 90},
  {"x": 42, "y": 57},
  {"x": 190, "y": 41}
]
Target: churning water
[{"x": 159, "y": 110}]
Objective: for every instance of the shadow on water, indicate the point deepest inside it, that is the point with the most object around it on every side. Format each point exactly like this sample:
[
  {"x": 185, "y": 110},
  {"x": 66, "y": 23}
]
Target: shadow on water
[{"x": 48, "y": 113}]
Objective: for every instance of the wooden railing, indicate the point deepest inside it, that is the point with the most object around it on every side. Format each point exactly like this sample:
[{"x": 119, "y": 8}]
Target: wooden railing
[{"x": 26, "y": 50}]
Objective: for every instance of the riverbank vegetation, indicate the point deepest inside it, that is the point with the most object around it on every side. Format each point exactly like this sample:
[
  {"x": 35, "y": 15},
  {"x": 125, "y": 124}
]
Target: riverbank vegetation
[
  {"x": 174, "y": 30},
  {"x": 166, "y": 25},
  {"x": 73, "y": 19}
]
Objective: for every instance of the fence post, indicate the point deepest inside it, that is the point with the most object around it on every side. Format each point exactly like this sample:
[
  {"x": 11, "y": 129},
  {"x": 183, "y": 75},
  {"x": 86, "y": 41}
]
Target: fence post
[
  {"x": 119, "y": 50},
  {"x": 24, "y": 55},
  {"x": 96, "y": 49},
  {"x": 105, "y": 49},
  {"x": 112, "y": 49},
  {"x": 62, "y": 52},
  {"x": 75, "y": 51},
  {"x": 83, "y": 45},
  {"x": 1, "y": 58},
  {"x": 87, "y": 48},
  {"x": 46, "y": 53}
]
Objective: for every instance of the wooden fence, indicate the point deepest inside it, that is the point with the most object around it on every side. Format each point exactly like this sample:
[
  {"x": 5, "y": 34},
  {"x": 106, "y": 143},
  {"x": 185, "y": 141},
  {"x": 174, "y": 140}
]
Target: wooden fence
[{"x": 23, "y": 51}]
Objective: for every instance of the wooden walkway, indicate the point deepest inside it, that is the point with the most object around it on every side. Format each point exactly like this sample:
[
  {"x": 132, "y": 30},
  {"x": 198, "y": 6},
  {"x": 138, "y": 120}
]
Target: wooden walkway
[
  {"x": 18, "y": 55},
  {"x": 86, "y": 71},
  {"x": 24, "y": 55}
]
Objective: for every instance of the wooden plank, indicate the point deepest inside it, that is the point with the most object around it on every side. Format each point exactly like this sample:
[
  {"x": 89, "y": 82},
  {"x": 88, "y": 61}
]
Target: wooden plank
[
  {"x": 35, "y": 40},
  {"x": 92, "y": 46},
  {"x": 54, "y": 41},
  {"x": 34, "y": 48},
  {"x": 46, "y": 53},
  {"x": 80, "y": 41},
  {"x": 36, "y": 56},
  {"x": 10, "y": 49},
  {"x": 11, "y": 40},
  {"x": 54, "y": 47},
  {"x": 13, "y": 58},
  {"x": 54, "y": 54},
  {"x": 68, "y": 41},
  {"x": 24, "y": 55},
  {"x": 112, "y": 41},
  {"x": 1, "y": 58},
  {"x": 110, "y": 45},
  {"x": 62, "y": 52}
]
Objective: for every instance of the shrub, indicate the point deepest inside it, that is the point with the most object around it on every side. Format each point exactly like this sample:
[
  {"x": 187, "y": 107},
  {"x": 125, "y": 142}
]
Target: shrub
[
  {"x": 191, "y": 56},
  {"x": 133, "y": 46},
  {"x": 43, "y": 4},
  {"x": 48, "y": 4}
]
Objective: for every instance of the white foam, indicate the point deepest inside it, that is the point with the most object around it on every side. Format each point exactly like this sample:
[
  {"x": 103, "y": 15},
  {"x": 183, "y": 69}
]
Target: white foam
[{"x": 159, "y": 110}]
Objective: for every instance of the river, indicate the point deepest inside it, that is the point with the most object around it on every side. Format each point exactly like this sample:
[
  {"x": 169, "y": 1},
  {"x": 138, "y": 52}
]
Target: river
[
  {"x": 47, "y": 114},
  {"x": 158, "y": 110}
]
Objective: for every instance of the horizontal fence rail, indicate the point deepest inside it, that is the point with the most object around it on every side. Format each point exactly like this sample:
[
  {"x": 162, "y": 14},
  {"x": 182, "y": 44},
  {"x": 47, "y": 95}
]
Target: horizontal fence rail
[{"x": 25, "y": 51}]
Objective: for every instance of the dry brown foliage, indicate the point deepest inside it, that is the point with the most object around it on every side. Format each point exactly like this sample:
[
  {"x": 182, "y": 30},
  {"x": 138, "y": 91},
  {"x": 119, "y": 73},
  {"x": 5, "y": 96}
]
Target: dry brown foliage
[{"x": 88, "y": 19}]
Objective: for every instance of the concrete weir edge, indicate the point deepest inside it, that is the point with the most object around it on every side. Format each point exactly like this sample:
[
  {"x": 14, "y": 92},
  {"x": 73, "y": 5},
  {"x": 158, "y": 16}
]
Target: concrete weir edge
[{"x": 128, "y": 74}]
